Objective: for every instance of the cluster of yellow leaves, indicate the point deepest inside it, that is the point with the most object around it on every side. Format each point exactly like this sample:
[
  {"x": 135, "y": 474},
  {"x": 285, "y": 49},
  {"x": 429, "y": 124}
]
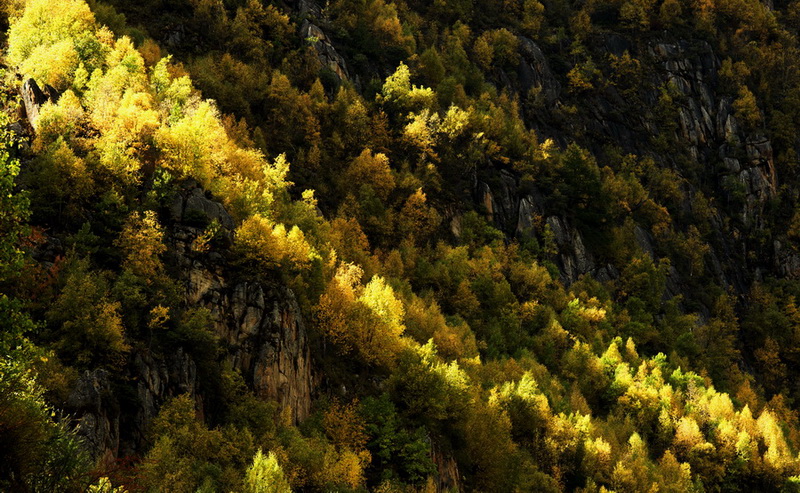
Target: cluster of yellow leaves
[
  {"x": 451, "y": 373},
  {"x": 373, "y": 170},
  {"x": 583, "y": 76},
  {"x": 496, "y": 47},
  {"x": 397, "y": 89},
  {"x": 265, "y": 475},
  {"x": 90, "y": 321},
  {"x": 185, "y": 449},
  {"x": 726, "y": 433},
  {"x": 426, "y": 128},
  {"x": 49, "y": 47},
  {"x": 425, "y": 321},
  {"x": 746, "y": 107},
  {"x": 136, "y": 119},
  {"x": 194, "y": 145},
  {"x": 271, "y": 245},
  {"x": 344, "y": 426},
  {"x": 379, "y": 18},
  {"x": 65, "y": 172},
  {"x": 62, "y": 119},
  {"x": 343, "y": 466},
  {"x": 367, "y": 318}
]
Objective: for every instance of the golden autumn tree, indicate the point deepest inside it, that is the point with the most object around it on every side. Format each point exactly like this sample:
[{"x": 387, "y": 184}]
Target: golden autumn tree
[
  {"x": 265, "y": 475},
  {"x": 367, "y": 319},
  {"x": 141, "y": 243},
  {"x": 371, "y": 170},
  {"x": 50, "y": 47},
  {"x": 272, "y": 245}
]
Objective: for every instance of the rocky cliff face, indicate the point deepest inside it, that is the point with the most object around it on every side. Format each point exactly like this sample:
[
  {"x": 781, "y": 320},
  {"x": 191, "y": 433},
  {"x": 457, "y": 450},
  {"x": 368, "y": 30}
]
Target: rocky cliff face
[
  {"x": 257, "y": 322},
  {"x": 92, "y": 400},
  {"x": 448, "y": 478},
  {"x": 326, "y": 52},
  {"x": 711, "y": 130},
  {"x": 738, "y": 160},
  {"x": 113, "y": 426},
  {"x": 310, "y": 31}
]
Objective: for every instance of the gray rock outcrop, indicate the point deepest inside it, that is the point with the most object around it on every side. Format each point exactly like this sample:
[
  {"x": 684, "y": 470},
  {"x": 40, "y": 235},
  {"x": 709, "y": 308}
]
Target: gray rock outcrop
[
  {"x": 33, "y": 98},
  {"x": 196, "y": 206},
  {"x": 736, "y": 158},
  {"x": 535, "y": 73},
  {"x": 258, "y": 321},
  {"x": 93, "y": 402},
  {"x": 326, "y": 52},
  {"x": 156, "y": 381},
  {"x": 710, "y": 127}
]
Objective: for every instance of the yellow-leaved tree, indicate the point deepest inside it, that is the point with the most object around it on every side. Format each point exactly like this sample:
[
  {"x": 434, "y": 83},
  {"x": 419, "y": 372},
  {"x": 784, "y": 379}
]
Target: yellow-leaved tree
[
  {"x": 398, "y": 91},
  {"x": 59, "y": 120},
  {"x": 141, "y": 242},
  {"x": 194, "y": 145},
  {"x": 269, "y": 244},
  {"x": 371, "y": 170},
  {"x": 87, "y": 320},
  {"x": 367, "y": 319},
  {"x": 122, "y": 109},
  {"x": 50, "y": 47},
  {"x": 348, "y": 459},
  {"x": 265, "y": 475}
]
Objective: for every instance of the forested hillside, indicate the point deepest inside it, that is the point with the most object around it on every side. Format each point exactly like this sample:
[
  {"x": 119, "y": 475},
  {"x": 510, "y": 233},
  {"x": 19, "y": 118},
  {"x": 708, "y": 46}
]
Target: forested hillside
[{"x": 396, "y": 245}]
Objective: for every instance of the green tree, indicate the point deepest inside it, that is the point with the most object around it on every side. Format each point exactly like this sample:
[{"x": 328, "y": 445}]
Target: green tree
[
  {"x": 38, "y": 453},
  {"x": 141, "y": 243},
  {"x": 13, "y": 211},
  {"x": 187, "y": 455},
  {"x": 85, "y": 322}
]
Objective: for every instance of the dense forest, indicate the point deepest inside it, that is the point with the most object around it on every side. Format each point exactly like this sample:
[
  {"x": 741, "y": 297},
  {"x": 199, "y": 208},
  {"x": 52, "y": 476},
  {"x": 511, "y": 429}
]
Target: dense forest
[{"x": 396, "y": 245}]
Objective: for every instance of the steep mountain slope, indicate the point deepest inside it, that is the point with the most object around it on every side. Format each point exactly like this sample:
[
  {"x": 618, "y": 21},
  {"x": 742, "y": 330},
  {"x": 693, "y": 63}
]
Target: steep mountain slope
[{"x": 486, "y": 246}]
